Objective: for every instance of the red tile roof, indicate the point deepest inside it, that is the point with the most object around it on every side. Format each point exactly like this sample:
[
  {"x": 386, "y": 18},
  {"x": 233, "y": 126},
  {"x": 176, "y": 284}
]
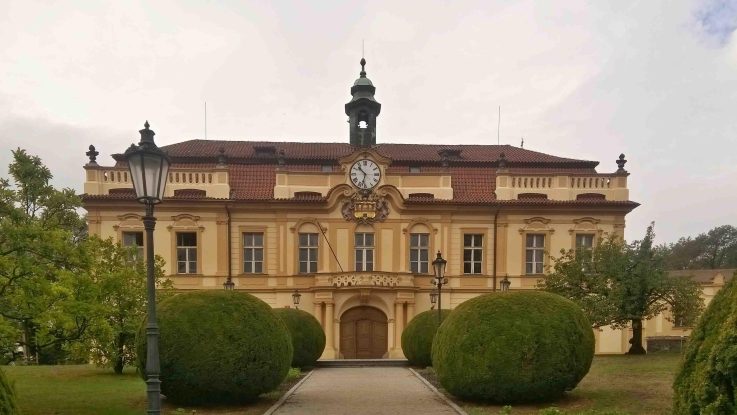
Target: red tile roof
[
  {"x": 204, "y": 151},
  {"x": 252, "y": 166}
]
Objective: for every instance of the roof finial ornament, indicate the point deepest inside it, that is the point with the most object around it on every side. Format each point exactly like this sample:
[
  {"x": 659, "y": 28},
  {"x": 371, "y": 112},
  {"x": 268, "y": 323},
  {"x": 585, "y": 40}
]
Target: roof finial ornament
[
  {"x": 147, "y": 135},
  {"x": 92, "y": 154},
  {"x": 363, "y": 67},
  {"x": 222, "y": 159},
  {"x": 502, "y": 161},
  {"x": 620, "y": 163}
]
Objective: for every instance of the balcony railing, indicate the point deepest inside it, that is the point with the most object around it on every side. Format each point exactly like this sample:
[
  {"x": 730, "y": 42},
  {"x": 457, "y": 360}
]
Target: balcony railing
[
  {"x": 561, "y": 186},
  {"x": 374, "y": 279},
  {"x": 215, "y": 182}
]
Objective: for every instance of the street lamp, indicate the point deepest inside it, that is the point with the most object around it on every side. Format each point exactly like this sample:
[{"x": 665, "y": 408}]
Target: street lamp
[
  {"x": 439, "y": 265},
  {"x": 149, "y": 169},
  {"x": 295, "y": 298},
  {"x": 433, "y": 299},
  {"x": 504, "y": 284}
]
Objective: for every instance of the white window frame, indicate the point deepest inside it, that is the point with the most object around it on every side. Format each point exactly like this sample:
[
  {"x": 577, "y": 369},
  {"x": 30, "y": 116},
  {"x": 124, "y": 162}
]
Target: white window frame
[
  {"x": 475, "y": 264},
  {"x": 418, "y": 265},
  {"x": 308, "y": 243},
  {"x": 364, "y": 250},
  {"x": 535, "y": 244},
  {"x": 256, "y": 250},
  {"x": 189, "y": 252}
]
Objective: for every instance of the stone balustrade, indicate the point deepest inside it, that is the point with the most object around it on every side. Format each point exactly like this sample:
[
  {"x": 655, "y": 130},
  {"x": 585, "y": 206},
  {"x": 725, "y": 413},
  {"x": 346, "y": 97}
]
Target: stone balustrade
[
  {"x": 561, "y": 186},
  {"x": 376, "y": 279},
  {"x": 215, "y": 182}
]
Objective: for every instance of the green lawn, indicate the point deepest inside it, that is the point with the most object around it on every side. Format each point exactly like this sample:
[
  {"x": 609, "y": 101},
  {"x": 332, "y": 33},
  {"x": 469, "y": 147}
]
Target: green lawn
[
  {"x": 87, "y": 390},
  {"x": 637, "y": 385}
]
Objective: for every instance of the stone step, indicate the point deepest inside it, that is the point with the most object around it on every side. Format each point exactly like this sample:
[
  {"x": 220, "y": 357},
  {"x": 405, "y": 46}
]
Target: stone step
[{"x": 362, "y": 363}]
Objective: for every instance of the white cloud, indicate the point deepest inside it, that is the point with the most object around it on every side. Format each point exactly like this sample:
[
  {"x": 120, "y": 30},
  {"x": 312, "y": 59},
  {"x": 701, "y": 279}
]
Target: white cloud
[{"x": 656, "y": 80}]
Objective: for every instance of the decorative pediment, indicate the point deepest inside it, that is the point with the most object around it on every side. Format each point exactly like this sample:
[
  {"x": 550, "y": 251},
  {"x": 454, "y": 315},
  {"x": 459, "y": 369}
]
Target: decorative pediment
[
  {"x": 185, "y": 220},
  {"x": 304, "y": 221},
  {"x": 129, "y": 220},
  {"x": 536, "y": 224},
  {"x": 420, "y": 221},
  {"x": 586, "y": 224}
]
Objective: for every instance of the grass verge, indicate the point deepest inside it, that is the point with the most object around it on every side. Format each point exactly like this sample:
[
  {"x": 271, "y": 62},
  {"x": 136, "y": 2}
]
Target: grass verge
[
  {"x": 615, "y": 385},
  {"x": 88, "y": 390}
]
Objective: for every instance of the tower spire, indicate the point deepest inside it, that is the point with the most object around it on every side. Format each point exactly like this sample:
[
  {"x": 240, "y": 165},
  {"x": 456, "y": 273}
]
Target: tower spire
[{"x": 362, "y": 110}]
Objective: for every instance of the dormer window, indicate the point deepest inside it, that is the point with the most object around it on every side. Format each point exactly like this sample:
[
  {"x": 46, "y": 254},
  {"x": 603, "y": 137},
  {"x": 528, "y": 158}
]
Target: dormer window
[{"x": 264, "y": 151}]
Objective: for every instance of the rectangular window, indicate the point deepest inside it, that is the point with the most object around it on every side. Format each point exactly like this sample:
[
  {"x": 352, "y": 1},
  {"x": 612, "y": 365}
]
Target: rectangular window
[
  {"x": 472, "y": 253},
  {"x": 364, "y": 252},
  {"x": 253, "y": 253},
  {"x": 535, "y": 249},
  {"x": 414, "y": 169},
  {"x": 419, "y": 252},
  {"x": 307, "y": 253},
  {"x": 134, "y": 239},
  {"x": 584, "y": 241},
  {"x": 186, "y": 252}
]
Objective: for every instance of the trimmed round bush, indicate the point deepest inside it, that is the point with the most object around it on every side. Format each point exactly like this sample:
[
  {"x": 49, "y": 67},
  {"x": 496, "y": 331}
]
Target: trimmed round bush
[
  {"x": 706, "y": 382},
  {"x": 218, "y": 347},
  {"x": 8, "y": 404},
  {"x": 418, "y": 335},
  {"x": 513, "y": 347},
  {"x": 308, "y": 338}
]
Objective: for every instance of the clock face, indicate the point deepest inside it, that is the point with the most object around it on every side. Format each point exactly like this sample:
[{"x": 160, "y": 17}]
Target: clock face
[{"x": 365, "y": 174}]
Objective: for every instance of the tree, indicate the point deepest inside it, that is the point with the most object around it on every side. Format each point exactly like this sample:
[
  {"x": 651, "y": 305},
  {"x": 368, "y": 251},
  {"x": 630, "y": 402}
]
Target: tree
[
  {"x": 44, "y": 298},
  {"x": 120, "y": 278},
  {"x": 714, "y": 249},
  {"x": 619, "y": 284}
]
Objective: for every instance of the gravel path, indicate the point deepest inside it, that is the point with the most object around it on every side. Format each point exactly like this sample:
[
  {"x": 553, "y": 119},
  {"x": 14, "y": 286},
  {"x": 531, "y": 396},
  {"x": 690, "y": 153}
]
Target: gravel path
[{"x": 364, "y": 390}]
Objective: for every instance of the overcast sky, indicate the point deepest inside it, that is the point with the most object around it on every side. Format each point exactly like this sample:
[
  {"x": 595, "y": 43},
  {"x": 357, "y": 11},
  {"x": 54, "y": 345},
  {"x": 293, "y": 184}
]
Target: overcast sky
[{"x": 656, "y": 80}]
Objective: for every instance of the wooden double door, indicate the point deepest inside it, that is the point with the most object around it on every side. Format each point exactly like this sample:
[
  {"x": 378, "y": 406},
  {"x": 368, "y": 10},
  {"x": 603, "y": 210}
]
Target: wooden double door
[{"x": 363, "y": 333}]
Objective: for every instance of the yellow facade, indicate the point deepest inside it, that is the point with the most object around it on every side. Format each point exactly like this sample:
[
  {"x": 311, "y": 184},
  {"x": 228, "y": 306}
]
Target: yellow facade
[
  {"x": 354, "y": 226},
  {"x": 336, "y": 286}
]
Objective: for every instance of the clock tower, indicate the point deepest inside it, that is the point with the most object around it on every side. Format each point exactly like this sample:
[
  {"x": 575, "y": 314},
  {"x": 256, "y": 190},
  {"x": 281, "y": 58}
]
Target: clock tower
[{"x": 362, "y": 111}]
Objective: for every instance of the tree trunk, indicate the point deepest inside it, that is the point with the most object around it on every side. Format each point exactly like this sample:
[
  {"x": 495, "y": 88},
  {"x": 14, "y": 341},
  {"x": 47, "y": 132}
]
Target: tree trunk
[
  {"x": 118, "y": 368},
  {"x": 636, "y": 340}
]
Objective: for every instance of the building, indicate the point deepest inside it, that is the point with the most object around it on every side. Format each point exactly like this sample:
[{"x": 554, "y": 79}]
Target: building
[{"x": 354, "y": 226}]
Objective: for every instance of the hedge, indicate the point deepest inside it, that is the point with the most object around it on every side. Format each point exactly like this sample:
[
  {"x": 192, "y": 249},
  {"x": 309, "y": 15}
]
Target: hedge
[
  {"x": 308, "y": 338},
  {"x": 706, "y": 382},
  {"x": 513, "y": 347},
  {"x": 417, "y": 337},
  {"x": 218, "y": 347}
]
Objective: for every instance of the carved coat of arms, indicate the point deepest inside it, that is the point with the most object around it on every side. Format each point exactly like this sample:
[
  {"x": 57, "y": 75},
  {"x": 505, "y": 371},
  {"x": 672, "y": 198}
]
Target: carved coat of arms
[{"x": 365, "y": 208}]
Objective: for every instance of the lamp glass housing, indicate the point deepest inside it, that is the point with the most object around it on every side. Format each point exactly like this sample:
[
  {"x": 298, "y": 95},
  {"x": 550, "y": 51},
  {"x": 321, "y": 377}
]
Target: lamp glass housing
[
  {"x": 296, "y": 297},
  {"x": 149, "y": 170},
  {"x": 439, "y": 266}
]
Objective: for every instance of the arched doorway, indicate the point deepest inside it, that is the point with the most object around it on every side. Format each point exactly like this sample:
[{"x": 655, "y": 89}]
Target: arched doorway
[{"x": 363, "y": 333}]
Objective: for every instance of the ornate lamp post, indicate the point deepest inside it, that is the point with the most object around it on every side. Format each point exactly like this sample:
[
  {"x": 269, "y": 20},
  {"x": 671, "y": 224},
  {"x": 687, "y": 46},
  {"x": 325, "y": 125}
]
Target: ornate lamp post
[
  {"x": 433, "y": 299},
  {"x": 439, "y": 265},
  {"x": 149, "y": 168},
  {"x": 504, "y": 284},
  {"x": 295, "y": 298}
]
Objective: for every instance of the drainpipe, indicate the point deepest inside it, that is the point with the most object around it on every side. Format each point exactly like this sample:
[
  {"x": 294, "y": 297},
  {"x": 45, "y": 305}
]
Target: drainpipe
[
  {"x": 496, "y": 216},
  {"x": 230, "y": 242}
]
